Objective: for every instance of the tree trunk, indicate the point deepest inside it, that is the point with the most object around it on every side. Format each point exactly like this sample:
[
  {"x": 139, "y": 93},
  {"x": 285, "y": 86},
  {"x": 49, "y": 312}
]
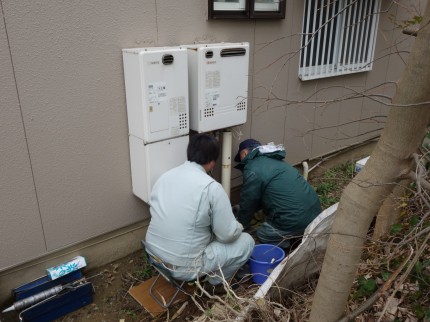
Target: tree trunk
[
  {"x": 403, "y": 132},
  {"x": 389, "y": 213}
]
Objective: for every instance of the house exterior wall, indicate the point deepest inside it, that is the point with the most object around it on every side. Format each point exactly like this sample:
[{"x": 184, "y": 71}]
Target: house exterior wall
[{"x": 64, "y": 158}]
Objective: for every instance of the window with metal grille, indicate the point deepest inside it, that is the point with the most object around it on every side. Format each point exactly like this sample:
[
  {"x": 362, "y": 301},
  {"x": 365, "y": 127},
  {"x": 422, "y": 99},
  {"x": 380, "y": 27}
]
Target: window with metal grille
[{"x": 338, "y": 37}]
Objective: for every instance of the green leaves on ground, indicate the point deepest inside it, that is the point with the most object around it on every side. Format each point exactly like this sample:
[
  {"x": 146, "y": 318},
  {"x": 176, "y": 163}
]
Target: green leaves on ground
[
  {"x": 330, "y": 186},
  {"x": 366, "y": 287}
]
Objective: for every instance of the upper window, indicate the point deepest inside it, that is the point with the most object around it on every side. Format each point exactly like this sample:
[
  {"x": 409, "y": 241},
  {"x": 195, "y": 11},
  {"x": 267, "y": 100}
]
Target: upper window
[
  {"x": 246, "y": 9},
  {"x": 338, "y": 37}
]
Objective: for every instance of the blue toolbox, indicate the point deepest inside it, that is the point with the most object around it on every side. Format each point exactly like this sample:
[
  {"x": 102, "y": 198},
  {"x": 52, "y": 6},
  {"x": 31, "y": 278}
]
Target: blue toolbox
[{"x": 45, "y": 299}]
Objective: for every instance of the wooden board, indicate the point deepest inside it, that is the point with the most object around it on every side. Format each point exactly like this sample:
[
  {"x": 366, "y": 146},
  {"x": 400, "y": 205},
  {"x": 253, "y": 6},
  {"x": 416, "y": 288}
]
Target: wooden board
[{"x": 162, "y": 289}]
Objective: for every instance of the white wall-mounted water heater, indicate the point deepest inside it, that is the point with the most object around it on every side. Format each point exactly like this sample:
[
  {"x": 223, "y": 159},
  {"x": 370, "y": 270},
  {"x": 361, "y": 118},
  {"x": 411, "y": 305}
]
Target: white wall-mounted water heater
[
  {"x": 218, "y": 83},
  {"x": 156, "y": 84},
  {"x": 157, "y": 92}
]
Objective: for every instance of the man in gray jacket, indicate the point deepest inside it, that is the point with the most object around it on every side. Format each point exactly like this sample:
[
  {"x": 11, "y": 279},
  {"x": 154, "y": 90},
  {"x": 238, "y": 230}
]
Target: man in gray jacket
[{"x": 192, "y": 229}]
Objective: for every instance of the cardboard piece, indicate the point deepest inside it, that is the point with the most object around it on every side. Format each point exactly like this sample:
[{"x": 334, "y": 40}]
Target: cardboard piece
[{"x": 166, "y": 290}]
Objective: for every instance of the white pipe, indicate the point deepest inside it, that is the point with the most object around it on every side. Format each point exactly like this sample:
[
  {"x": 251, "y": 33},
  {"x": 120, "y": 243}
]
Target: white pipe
[
  {"x": 305, "y": 170},
  {"x": 226, "y": 161}
]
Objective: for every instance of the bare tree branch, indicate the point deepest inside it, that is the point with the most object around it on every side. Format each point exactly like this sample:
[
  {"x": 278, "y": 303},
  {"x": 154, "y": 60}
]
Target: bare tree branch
[{"x": 372, "y": 299}]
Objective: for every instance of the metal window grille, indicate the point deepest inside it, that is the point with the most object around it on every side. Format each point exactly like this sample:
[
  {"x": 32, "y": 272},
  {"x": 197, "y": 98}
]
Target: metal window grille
[{"x": 338, "y": 37}]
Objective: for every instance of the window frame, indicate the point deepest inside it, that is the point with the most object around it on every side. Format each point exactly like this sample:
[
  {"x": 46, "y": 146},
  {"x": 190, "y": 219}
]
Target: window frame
[
  {"x": 309, "y": 67},
  {"x": 248, "y": 13}
]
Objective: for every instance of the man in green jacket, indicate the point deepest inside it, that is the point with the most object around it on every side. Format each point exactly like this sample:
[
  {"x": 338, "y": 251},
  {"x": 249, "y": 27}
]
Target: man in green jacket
[{"x": 271, "y": 184}]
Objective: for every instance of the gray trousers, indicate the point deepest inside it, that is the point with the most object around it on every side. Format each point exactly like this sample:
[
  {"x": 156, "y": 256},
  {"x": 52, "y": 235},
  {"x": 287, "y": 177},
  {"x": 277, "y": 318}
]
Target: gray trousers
[{"x": 219, "y": 261}]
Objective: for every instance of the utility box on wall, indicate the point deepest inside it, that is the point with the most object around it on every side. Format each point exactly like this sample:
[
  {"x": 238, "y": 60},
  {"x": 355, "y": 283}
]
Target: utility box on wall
[
  {"x": 218, "y": 83},
  {"x": 150, "y": 161},
  {"x": 156, "y": 87},
  {"x": 156, "y": 84}
]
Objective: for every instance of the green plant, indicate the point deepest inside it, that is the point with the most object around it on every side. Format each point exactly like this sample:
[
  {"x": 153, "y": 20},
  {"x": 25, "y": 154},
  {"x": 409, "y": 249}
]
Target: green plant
[
  {"x": 145, "y": 272},
  {"x": 366, "y": 287},
  {"x": 419, "y": 310},
  {"x": 330, "y": 186},
  {"x": 385, "y": 276},
  {"x": 130, "y": 313},
  {"x": 396, "y": 228},
  {"x": 208, "y": 312},
  {"x": 415, "y": 20}
]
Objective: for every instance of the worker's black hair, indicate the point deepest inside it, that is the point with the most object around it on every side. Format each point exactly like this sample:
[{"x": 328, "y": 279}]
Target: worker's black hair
[{"x": 202, "y": 149}]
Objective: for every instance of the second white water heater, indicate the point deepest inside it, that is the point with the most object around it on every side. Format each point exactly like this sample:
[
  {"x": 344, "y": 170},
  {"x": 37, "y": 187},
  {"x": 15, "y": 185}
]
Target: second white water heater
[{"x": 218, "y": 85}]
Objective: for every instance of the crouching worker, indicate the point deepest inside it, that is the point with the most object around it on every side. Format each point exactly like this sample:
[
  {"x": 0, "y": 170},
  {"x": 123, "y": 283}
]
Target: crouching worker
[
  {"x": 192, "y": 228},
  {"x": 269, "y": 183}
]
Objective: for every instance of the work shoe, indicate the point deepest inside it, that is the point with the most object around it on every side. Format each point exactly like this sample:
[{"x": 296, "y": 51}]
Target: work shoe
[{"x": 242, "y": 272}]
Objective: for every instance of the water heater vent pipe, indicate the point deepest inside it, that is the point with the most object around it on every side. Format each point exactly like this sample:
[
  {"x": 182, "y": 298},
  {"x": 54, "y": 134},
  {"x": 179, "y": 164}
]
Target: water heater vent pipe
[{"x": 226, "y": 161}]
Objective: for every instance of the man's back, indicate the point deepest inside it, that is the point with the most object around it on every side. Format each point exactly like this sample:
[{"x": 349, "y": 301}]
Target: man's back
[
  {"x": 193, "y": 229},
  {"x": 180, "y": 221},
  {"x": 288, "y": 198}
]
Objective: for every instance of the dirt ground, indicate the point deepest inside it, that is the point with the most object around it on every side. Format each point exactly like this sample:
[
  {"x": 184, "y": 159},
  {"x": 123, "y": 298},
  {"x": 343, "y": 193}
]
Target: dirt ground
[{"x": 111, "y": 301}]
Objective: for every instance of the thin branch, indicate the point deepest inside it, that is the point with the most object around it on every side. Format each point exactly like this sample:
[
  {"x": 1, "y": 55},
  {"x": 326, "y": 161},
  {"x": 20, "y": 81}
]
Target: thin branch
[
  {"x": 422, "y": 232},
  {"x": 181, "y": 309},
  {"x": 372, "y": 299},
  {"x": 405, "y": 275},
  {"x": 422, "y": 182}
]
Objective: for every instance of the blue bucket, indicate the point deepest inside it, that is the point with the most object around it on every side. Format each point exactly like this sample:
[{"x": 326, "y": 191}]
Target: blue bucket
[{"x": 264, "y": 259}]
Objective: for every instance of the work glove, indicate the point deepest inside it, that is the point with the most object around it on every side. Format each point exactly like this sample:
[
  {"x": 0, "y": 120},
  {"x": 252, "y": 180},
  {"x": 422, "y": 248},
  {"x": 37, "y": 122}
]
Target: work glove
[{"x": 258, "y": 218}]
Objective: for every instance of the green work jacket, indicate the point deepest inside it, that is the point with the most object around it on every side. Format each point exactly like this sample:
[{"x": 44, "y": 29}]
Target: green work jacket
[{"x": 269, "y": 183}]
